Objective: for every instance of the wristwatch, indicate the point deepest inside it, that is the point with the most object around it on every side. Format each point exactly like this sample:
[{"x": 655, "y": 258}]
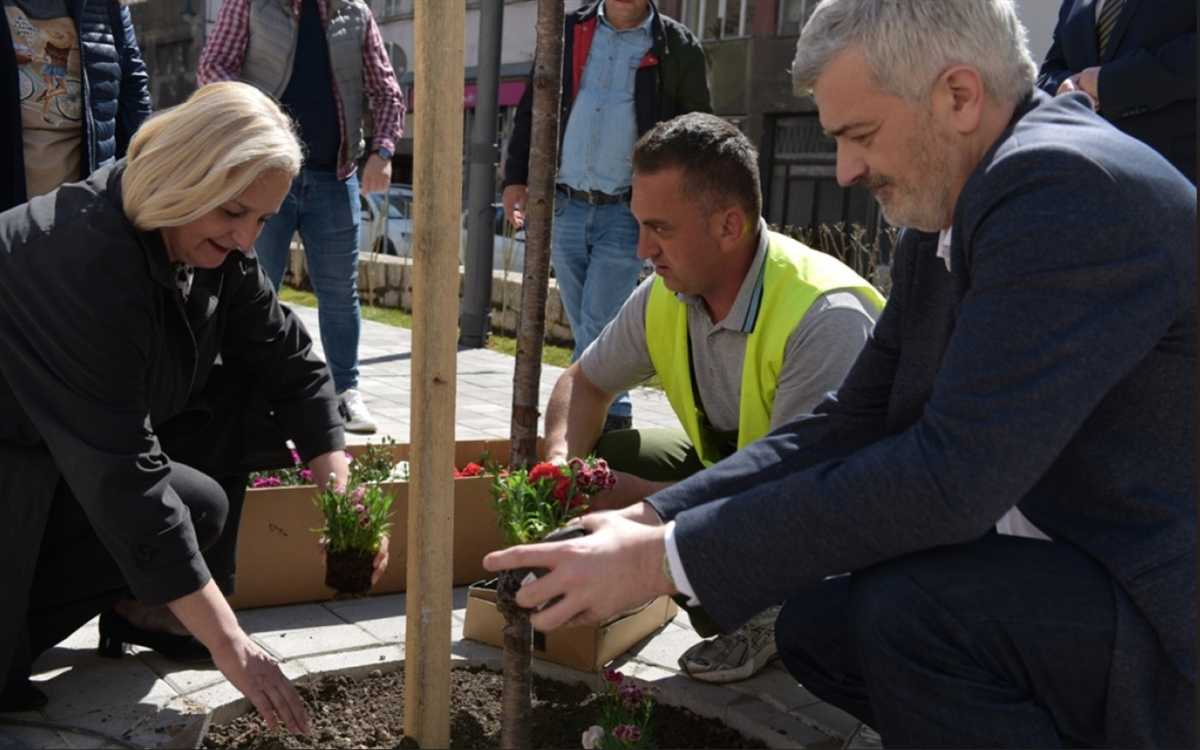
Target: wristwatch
[{"x": 384, "y": 153}]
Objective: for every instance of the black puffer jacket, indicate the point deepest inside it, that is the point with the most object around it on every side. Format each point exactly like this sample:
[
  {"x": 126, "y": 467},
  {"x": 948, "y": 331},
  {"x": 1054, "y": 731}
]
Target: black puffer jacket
[{"x": 116, "y": 92}]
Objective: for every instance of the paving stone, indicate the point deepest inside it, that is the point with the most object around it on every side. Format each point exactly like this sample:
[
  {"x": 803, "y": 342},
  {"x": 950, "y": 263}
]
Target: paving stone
[
  {"x": 484, "y": 377},
  {"x": 777, "y": 687},
  {"x": 122, "y": 698},
  {"x": 303, "y": 630},
  {"x": 477, "y": 654},
  {"x": 748, "y": 713},
  {"x": 382, "y": 616},
  {"x": 126, "y": 682},
  {"x": 700, "y": 697},
  {"x": 30, "y": 737},
  {"x": 183, "y": 678},
  {"x": 354, "y": 663},
  {"x": 665, "y": 647},
  {"x": 827, "y": 718}
]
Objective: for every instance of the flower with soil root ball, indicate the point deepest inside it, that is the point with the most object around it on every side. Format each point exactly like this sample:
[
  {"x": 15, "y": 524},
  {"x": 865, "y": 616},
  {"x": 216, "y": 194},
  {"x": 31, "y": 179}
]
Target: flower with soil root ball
[
  {"x": 532, "y": 503},
  {"x": 356, "y": 520},
  {"x": 626, "y": 709}
]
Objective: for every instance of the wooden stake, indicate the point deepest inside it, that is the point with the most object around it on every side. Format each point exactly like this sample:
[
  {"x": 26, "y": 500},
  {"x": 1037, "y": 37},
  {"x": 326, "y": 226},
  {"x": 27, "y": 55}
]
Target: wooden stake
[{"x": 437, "y": 185}]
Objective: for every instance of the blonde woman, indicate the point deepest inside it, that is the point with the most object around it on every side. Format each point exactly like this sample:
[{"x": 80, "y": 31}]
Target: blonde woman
[{"x": 124, "y": 443}]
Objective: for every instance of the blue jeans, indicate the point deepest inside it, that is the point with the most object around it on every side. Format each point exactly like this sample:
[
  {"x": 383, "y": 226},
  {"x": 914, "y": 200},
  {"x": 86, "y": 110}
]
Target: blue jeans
[
  {"x": 594, "y": 251},
  {"x": 325, "y": 211},
  {"x": 1001, "y": 642}
]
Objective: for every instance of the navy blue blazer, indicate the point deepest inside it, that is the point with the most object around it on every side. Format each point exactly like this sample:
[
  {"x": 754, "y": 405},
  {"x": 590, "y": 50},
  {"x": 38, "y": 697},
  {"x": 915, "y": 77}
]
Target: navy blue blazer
[
  {"x": 1147, "y": 74},
  {"x": 1052, "y": 368}
]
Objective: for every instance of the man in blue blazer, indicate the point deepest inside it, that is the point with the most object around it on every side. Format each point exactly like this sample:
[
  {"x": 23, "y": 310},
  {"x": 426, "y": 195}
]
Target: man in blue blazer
[
  {"x": 1007, "y": 473},
  {"x": 1136, "y": 61}
]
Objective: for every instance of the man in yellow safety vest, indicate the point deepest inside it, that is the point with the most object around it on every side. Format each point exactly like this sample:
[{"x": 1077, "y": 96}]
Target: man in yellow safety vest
[{"x": 746, "y": 329}]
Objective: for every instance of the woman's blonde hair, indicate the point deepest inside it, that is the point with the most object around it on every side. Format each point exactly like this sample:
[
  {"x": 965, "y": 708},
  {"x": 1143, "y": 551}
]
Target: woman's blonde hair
[{"x": 187, "y": 160}]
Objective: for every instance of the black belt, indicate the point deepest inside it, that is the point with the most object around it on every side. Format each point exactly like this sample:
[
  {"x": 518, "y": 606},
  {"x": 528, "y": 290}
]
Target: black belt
[{"x": 594, "y": 197}]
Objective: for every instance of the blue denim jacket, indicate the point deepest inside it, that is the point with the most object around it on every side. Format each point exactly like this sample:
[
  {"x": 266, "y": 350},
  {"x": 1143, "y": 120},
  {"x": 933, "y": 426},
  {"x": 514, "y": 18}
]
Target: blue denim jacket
[{"x": 597, "y": 152}]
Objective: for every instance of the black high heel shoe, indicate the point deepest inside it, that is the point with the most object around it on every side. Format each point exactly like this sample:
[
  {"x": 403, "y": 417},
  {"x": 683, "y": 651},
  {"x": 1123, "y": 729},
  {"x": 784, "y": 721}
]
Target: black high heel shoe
[
  {"x": 21, "y": 695},
  {"x": 116, "y": 632}
]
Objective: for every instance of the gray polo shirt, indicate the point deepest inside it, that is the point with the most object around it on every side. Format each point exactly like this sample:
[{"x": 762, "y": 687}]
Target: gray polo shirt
[{"x": 819, "y": 352}]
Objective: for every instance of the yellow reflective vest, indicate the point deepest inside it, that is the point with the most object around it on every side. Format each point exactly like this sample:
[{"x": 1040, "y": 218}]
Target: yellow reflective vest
[{"x": 794, "y": 276}]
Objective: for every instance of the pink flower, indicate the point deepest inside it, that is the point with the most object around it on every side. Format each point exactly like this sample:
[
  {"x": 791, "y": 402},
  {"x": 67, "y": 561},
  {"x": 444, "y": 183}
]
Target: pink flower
[
  {"x": 267, "y": 482},
  {"x": 358, "y": 493},
  {"x": 360, "y": 508},
  {"x": 306, "y": 475},
  {"x": 631, "y": 695},
  {"x": 578, "y": 465},
  {"x": 627, "y": 733},
  {"x": 613, "y": 677},
  {"x": 296, "y": 457}
]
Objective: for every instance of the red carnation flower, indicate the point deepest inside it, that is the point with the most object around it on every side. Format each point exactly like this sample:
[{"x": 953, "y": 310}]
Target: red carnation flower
[
  {"x": 544, "y": 470},
  {"x": 471, "y": 470},
  {"x": 562, "y": 490}
]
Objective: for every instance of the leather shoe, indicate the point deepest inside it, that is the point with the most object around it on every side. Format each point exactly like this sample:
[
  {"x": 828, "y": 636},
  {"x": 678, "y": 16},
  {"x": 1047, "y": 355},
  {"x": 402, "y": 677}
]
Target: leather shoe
[
  {"x": 22, "y": 696},
  {"x": 116, "y": 632}
]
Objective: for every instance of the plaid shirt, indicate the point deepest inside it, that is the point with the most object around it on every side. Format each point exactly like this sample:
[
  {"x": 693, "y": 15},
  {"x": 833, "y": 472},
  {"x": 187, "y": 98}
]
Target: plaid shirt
[{"x": 226, "y": 50}]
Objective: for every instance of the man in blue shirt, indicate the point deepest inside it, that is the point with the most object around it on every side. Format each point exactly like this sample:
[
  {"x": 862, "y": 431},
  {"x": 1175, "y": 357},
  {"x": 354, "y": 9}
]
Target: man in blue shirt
[{"x": 626, "y": 67}]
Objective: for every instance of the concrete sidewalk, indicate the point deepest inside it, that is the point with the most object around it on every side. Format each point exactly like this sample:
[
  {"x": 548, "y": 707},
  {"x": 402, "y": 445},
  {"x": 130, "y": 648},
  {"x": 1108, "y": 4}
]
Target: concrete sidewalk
[{"x": 148, "y": 701}]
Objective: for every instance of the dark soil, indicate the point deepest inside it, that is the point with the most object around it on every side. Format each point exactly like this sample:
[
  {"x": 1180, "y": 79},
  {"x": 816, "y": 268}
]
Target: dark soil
[
  {"x": 349, "y": 572},
  {"x": 369, "y": 712}
]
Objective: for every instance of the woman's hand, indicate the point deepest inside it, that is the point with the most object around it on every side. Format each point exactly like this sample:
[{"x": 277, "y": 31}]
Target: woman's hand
[
  {"x": 207, "y": 615},
  {"x": 259, "y": 678},
  {"x": 381, "y": 561},
  {"x": 333, "y": 462}
]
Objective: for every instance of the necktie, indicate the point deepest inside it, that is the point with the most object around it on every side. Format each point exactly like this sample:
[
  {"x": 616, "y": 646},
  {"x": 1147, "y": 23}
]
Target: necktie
[{"x": 1107, "y": 22}]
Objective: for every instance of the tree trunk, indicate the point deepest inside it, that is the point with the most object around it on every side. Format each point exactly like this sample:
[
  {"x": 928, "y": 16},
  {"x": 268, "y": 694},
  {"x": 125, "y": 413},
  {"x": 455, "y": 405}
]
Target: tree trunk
[
  {"x": 539, "y": 213},
  {"x": 516, "y": 708}
]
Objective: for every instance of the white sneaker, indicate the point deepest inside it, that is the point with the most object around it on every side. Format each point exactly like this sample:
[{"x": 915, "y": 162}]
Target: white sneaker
[
  {"x": 354, "y": 411},
  {"x": 733, "y": 656}
]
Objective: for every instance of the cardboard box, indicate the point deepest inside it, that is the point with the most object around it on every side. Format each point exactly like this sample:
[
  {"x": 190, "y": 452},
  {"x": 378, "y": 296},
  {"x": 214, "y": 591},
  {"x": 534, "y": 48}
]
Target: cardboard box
[
  {"x": 280, "y": 562},
  {"x": 587, "y": 648}
]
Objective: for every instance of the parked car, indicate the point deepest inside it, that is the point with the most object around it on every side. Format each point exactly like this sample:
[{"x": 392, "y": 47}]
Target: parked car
[{"x": 388, "y": 230}]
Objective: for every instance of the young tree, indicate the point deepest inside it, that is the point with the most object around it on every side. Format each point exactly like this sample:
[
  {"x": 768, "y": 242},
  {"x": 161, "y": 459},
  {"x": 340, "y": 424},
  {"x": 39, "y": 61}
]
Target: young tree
[{"x": 531, "y": 330}]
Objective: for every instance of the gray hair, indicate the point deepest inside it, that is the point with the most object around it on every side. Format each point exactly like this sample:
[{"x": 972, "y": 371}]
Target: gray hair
[{"x": 909, "y": 43}]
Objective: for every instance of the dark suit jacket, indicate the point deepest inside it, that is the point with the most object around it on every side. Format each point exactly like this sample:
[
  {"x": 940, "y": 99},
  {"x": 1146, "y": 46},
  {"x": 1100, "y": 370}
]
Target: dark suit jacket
[
  {"x": 1053, "y": 369},
  {"x": 1147, "y": 75}
]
